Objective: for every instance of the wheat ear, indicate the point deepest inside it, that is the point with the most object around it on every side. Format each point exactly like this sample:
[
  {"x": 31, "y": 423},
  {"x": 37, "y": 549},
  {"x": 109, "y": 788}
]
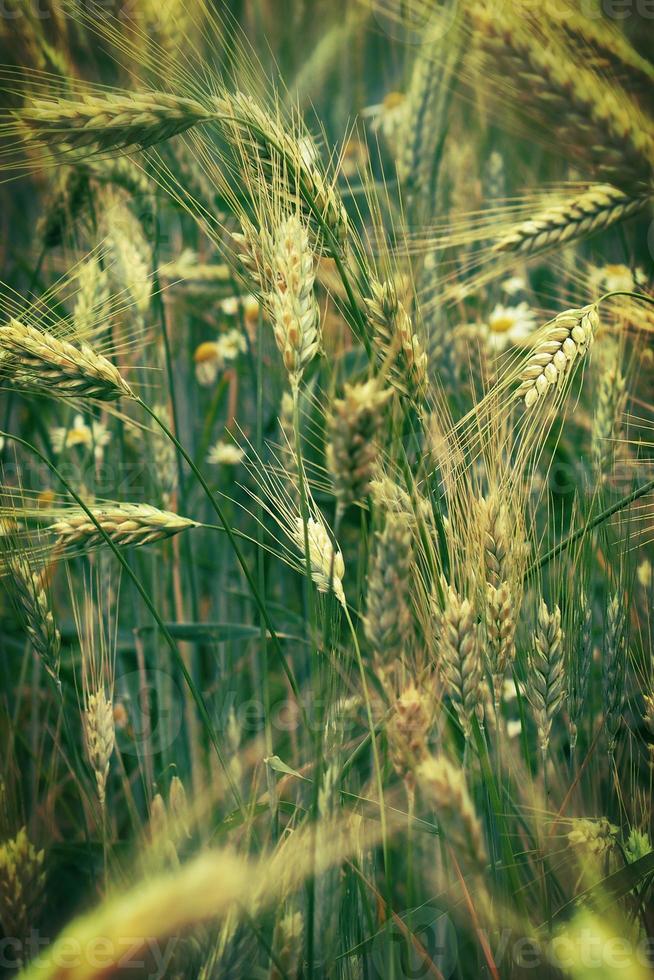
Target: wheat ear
[
  {"x": 395, "y": 339},
  {"x": 292, "y": 303},
  {"x": 545, "y": 688},
  {"x": 353, "y": 427},
  {"x": 36, "y": 359},
  {"x": 459, "y": 657},
  {"x": 36, "y": 609},
  {"x": 271, "y": 148},
  {"x": 564, "y": 341},
  {"x": 22, "y": 883},
  {"x": 103, "y": 123},
  {"x": 99, "y": 736},
  {"x": 582, "y": 214},
  {"x": 388, "y": 619},
  {"x": 126, "y": 524},
  {"x": 614, "y": 669},
  {"x": 445, "y": 787},
  {"x": 584, "y": 110}
]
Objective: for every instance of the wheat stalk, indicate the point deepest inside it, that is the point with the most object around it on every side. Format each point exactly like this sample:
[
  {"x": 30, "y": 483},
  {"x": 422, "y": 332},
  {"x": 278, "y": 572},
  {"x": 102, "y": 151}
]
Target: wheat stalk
[
  {"x": 564, "y": 341},
  {"x": 582, "y": 214},
  {"x": 125, "y": 524},
  {"x": 36, "y": 359},
  {"x": 104, "y": 123},
  {"x": 579, "y": 671}
]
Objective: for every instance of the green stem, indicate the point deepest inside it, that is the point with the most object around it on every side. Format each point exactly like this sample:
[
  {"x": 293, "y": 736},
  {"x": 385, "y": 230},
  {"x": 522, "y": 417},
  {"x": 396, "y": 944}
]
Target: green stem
[
  {"x": 197, "y": 696},
  {"x": 237, "y": 551},
  {"x": 604, "y": 516}
]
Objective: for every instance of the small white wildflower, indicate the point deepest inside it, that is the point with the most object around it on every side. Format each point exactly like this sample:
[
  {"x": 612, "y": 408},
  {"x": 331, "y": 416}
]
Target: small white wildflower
[
  {"x": 225, "y": 453},
  {"x": 513, "y": 727},
  {"x": 80, "y": 434},
  {"x": 211, "y": 356},
  {"x": 231, "y": 344},
  {"x": 514, "y": 285},
  {"x": 510, "y": 325},
  {"x": 229, "y": 306}
]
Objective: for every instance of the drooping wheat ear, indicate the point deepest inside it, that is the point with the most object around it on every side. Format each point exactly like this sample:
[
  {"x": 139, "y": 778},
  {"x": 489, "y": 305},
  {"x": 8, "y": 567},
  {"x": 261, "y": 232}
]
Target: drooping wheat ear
[
  {"x": 582, "y": 214},
  {"x": 105, "y": 123},
  {"x": 609, "y": 407},
  {"x": 395, "y": 339},
  {"x": 274, "y": 150},
  {"x": 67, "y": 202},
  {"x": 458, "y": 657},
  {"x": 327, "y": 565},
  {"x": 353, "y": 427},
  {"x": 292, "y": 303},
  {"x": 165, "y": 458},
  {"x": 579, "y": 671},
  {"x": 99, "y": 737},
  {"x": 546, "y": 685},
  {"x": 92, "y": 305},
  {"x": 606, "y": 47},
  {"x": 22, "y": 884},
  {"x": 126, "y": 524},
  {"x": 551, "y": 364},
  {"x": 36, "y": 359},
  {"x": 444, "y": 785},
  {"x": 614, "y": 663},
  {"x": 408, "y": 730},
  {"x": 584, "y": 111},
  {"x": 388, "y": 622},
  {"x": 287, "y": 945},
  {"x": 36, "y": 610}
]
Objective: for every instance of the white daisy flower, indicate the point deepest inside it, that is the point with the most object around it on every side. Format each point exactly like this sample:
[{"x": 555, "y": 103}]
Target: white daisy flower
[
  {"x": 212, "y": 355},
  {"x": 616, "y": 278},
  {"x": 225, "y": 454},
  {"x": 80, "y": 434},
  {"x": 510, "y": 324}
]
